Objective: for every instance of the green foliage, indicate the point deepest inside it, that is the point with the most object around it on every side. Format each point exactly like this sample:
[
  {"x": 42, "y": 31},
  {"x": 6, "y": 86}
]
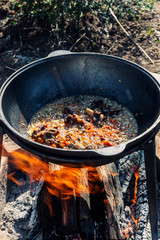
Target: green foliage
[
  {"x": 61, "y": 12},
  {"x": 149, "y": 31},
  {"x": 132, "y": 9}
]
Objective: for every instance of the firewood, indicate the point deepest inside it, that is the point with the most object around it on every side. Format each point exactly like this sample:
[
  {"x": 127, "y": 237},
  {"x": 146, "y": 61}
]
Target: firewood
[
  {"x": 97, "y": 212},
  {"x": 113, "y": 199},
  {"x": 97, "y": 205},
  {"x": 64, "y": 208},
  {"x": 84, "y": 218}
]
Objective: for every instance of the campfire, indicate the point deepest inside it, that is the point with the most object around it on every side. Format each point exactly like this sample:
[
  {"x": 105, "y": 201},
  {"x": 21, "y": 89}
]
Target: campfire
[
  {"x": 87, "y": 193},
  {"x": 107, "y": 202}
]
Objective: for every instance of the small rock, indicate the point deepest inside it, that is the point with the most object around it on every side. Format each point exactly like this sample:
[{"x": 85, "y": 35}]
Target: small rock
[
  {"x": 10, "y": 231},
  {"x": 3, "y": 228}
]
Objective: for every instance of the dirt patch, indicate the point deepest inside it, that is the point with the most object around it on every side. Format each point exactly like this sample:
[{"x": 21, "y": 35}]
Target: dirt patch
[{"x": 26, "y": 41}]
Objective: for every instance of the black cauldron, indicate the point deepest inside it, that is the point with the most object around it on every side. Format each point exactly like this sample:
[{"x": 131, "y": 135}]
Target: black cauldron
[{"x": 66, "y": 74}]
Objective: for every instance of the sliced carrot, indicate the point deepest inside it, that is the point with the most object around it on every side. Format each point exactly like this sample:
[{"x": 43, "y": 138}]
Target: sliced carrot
[
  {"x": 107, "y": 143},
  {"x": 53, "y": 145},
  {"x": 40, "y": 140}
]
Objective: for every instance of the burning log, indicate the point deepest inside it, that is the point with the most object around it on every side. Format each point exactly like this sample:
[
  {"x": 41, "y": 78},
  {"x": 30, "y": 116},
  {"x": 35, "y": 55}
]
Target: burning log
[
  {"x": 108, "y": 211},
  {"x": 91, "y": 207},
  {"x": 60, "y": 210},
  {"x": 113, "y": 199},
  {"x": 97, "y": 215},
  {"x": 89, "y": 211},
  {"x": 56, "y": 215},
  {"x": 3, "y": 181},
  {"x": 47, "y": 221},
  {"x": 85, "y": 222},
  {"x": 97, "y": 205}
]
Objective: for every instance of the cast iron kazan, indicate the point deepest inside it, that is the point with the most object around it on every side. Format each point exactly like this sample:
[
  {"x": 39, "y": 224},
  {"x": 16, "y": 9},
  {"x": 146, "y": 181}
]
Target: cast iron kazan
[{"x": 66, "y": 74}]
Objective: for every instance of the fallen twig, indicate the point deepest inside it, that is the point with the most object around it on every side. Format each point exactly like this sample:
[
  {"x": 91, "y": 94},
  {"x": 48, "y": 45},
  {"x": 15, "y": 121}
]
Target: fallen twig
[
  {"x": 91, "y": 40},
  {"x": 20, "y": 37},
  {"x": 130, "y": 36},
  {"x": 77, "y": 41},
  {"x": 111, "y": 47},
  {"x": 11, "y": 68}
]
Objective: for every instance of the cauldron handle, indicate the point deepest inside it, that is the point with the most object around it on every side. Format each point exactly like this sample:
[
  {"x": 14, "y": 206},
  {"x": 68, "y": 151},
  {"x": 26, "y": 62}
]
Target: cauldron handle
[
  {"x": 59, "y": 53},
  {"x": 112, "y": 151}
]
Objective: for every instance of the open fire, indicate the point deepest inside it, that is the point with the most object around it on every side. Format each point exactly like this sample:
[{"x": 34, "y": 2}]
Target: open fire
[
  {"x": 116, "y": 206},
  {"x": 107, "y": 202}
]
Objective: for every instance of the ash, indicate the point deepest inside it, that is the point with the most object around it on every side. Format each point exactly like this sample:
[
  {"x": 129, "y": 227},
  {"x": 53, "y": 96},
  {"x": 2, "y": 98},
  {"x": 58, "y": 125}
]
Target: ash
[
  {"x": 139, "y": 211},
  {"x": 19, "y": 217}
]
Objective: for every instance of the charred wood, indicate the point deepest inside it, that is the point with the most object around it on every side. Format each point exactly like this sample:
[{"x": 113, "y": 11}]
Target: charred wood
[
  {"x": 85, "y": 222},
  {"x": 90, "y": 215},
  {"x": 97, "y": 205},
  {"x": 112, "y": 199},
  {"x": 46, "y": 218},
  {"x": 57, "y": 216},
  {"x": 84, "y": 218},
  {"x": 65, "y": 216},
  {"x": 35, "y": 232}
]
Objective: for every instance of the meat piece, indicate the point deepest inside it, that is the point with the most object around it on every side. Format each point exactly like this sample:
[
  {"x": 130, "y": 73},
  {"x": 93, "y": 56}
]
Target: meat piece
[
  {"x": 73, "y": 146},
  {"x": 39, "y": 127},
  {"x": 50, "y": 133},
  {"x": 96, "y": 114},
  {"x": 98, "y": 104},
  {"x": 52, "y": 142},
  {"x": 43, "y": 135},
  {"x": 68, "y": 119},
  {"x": 108, "y": 111},
  {"x": 73, "y": 119},
  {"x": 67, "y": 111}
]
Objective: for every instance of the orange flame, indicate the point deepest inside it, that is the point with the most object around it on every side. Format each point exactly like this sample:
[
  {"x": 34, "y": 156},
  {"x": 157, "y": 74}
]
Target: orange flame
[
  {"x": 11, "y": 177},
  {"x": 60, "y": 181},
  {"x": 63, "y": 182},
  {"x": 135, "y": 221},
  {"x": 106, "y": 201},
  {"x": 136, "y": 174},
  {"x": 48, "y": 202},
  {"x": 126, "y": 231}
]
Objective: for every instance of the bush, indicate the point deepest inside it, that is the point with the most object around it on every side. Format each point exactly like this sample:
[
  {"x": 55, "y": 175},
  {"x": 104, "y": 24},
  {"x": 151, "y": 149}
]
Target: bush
[
  {"x": 61, "y": 12},
  {"x": 132, "y": 9}
]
